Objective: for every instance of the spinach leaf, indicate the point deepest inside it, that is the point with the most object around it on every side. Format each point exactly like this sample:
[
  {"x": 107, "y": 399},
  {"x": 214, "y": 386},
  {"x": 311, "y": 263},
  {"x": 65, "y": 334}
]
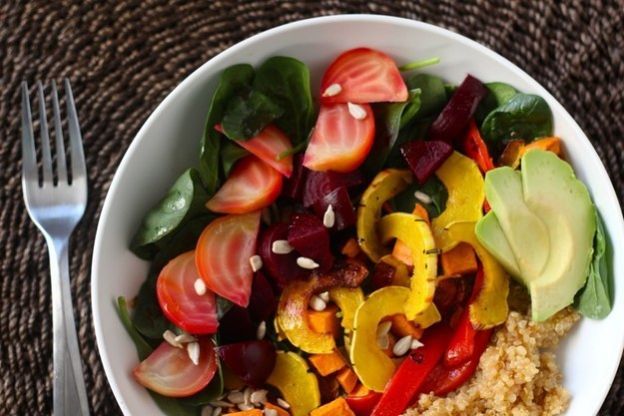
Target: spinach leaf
[
  {"x": 524, "y": 116},
  {"x": 415, "y": 130},
  {"x": 287, "y": 81},
  {"x": 246, "y": 115},
  {"x": 419, "y": 64},
  {"x": 595, "y": 299},
  {"x": 143, "y": 348},
  {"x": 185, "y": 199},
  {"x": 170, "y": 406},
  {"x": 406, "y": 200},
  {"x": 148, "y": 318},
  {"x": 230, "y": 154},
  {"x": 234, "y": 80},
  {"x": 223, "y": 306},
  {"x": 389, "y": 118},
  {"x": 498, "y": 94},
  {"x": 432, "y": 93}
]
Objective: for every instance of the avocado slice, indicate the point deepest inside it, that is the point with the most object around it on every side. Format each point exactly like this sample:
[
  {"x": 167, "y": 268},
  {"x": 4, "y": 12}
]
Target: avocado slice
[
  {"x": 491, "y": 236},
  {"x": 540, "y": 229}
]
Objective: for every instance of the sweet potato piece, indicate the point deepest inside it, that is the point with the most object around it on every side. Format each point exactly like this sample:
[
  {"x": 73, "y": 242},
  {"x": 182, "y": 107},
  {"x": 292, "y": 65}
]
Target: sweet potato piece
[
  {"x": 327, "y": 364},
  {"x": 401, "y": 327},
  {"x": 351, "y": 248},
  {"x": 325, "y": 322},
  {"x": 338, "y": 407},
  {"x": 360, "y": 390},
  {"x": 252, "y": 412},
  {"x": 402, "y": 251},
  {"x": 347, "y": 379},
  {"x": 460, "y": 260},
  {"x": 279, "y": 410},
  {"x": 552, "y": 144}
]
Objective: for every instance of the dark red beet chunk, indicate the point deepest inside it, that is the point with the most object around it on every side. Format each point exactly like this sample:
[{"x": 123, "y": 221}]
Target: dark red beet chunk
[
  {"x": 455, "y": 116},
  {"x": 424, "y": 158},
  {"x": 319, "y": 184},
  {"x": 252, "y": 361},
  {"x": 236, "y": 326},
  {"x": 340, "y": 201},
  {"x": 310, "y": 238},
  {"x": 282, "y": 268},
  {"x": 382, "y": 275},
  {"x": 293, "y": 186},
  {"x": 262, "y": 302}
]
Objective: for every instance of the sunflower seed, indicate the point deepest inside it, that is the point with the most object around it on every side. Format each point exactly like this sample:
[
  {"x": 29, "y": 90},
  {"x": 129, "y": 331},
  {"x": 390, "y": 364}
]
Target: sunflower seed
[
  {"x": 423, "y": 197},
  {"x": 270, "y": 412},
  {"x": 383, "y": 341},
  {"x": 384, "y": 328},
  {"x": 357, "y": 111},
  {"x": 329, "y": 218},
  {"x": 193, "y": 352},
  {"x": 317, "y": 303},
  {"x": 259, "y": 396},
  {"x": 307, "y": 263},
  {"x": 170, "y": 337},
  {"x": 261, "y": 331},
  {"x": 200, "y": 287},
  {"x": 332, "y": 90},
  {"x": 217, "y": 411},
  {"x": 281, "y": 247},
  {"x": 324, "y": 296},
  {"x": 244, "y": 407},
  {"x": 256, "y": 262},
  {"x": 185, "y": 338},
  {"x": 236, "y": 397},
  {"x": 207, "y": 411},
  {"x": 220, "y": 403},
  {"x": 416, "y": 344},
  {"x": 402, "y": 346},
  {"x": 283, "y": 403}
]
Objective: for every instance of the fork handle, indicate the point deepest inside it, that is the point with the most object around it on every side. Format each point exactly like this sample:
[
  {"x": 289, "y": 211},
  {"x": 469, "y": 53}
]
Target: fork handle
[{"x": 69, "y": 393}]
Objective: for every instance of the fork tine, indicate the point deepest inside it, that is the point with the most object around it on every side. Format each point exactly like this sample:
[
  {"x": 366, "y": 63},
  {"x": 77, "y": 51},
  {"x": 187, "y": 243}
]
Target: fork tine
[
  {"x": 75, "y": 138},
  {"x": 61, "y": 163},
  {"x": 46, "y": 156},
  {"x": 29, "y": 160}
]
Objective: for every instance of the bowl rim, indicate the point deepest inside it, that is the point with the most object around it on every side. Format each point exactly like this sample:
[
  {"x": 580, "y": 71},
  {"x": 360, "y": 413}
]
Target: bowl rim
[{"x": 608, "y": 192}]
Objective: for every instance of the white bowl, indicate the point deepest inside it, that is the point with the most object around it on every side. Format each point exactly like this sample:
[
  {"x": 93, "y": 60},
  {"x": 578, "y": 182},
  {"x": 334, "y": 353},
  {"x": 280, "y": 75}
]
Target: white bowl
[{"x": 168, "y": 143}]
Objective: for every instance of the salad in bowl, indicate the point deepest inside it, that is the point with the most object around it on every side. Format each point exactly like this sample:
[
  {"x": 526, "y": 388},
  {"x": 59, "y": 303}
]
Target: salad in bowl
[{"x": 390, "y": 243}]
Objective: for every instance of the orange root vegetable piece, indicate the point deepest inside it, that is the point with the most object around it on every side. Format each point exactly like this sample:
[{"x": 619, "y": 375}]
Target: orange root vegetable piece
[
  {"x": 512, "y": 153},
  {"x": 325, "y": 322},
  {"x": 279, "y": 410},
  {"x": 351, "y": 248},
  {"x": 459, "y": 260},
  {"x": 401, "y": 327},
  {"x": 327, "y": 364},
  {"x": 401, "y": 251},
  {"x": 360, "y": 390},
  {"x": 552, "y": 144},
  {"x": 338, "y": 407},
  {"x": 391, "y": 342},
  {"x": 347, "y": 379},
  {"x": 252, "y": 412}
]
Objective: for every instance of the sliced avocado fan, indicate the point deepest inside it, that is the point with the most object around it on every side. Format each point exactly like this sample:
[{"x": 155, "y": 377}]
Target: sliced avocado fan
[{"x": 540, "y": 229}]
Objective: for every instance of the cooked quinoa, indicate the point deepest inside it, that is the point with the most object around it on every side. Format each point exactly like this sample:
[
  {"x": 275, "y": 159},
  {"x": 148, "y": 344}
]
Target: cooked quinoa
[{"x": 517, "y": 374}]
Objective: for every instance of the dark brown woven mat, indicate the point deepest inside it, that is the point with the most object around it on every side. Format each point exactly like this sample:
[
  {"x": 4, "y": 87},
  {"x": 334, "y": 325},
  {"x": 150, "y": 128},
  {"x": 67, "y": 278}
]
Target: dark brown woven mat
[{"x": 124, "y": 58}]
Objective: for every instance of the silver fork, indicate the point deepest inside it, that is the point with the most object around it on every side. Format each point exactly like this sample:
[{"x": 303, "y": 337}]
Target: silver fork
[{"x": 56, "y": 208}]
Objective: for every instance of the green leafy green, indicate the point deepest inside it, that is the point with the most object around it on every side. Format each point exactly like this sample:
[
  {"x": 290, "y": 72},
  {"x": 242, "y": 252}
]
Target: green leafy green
[
  {"x": 524, "y": 116},
  {"x": 498, "y": 94},
  {"x": 223, "y": 306},
  {"x": 406, "y": 200},
  {"x": 389, "y": 118},
  {"x": 595, "y": 299},
  {"x": 287, "y": 81},
  {"x": 419, "y": 64},
  {"x": 246, "y": 115},
  {"x": 230, "y": 154},
  {"x": 182, "y": 241},
  {"x": 432, "y": 93},
  {"x": 234, "y": 80},
  {"x": 143, "y": 348},
  {"x": 170, "y": 406},
  {"x": 415, "y": 130},
  {"x": 185, "y": 200},
  {"x": 148, "y": 317}
]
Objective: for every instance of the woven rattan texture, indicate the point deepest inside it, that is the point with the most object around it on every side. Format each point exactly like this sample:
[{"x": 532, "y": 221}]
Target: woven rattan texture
[{"x": 124, "y": 57}]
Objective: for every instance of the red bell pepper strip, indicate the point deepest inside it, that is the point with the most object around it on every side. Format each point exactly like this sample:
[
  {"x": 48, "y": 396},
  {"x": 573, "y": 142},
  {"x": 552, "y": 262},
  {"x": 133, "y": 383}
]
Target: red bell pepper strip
[
  {"x": 443, "y": 379},
  {"x": 462, "y": 345},
  {"x": 411, "y": 374},
  {"x": 476, "y": 149},
  {"x": 363, "y": 405}
]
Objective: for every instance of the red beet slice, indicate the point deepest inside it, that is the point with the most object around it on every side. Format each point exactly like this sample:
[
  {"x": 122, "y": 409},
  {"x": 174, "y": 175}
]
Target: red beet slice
[
  {"x": 282, "y": 268},
  {"x": 382, "y": 275},
  {"x": 310, "y": 238},
  {"x": 340, "y": 201},
  {"x": 252, "y": 361},
  {"x": 236, "y": 326},
  {"x": 455, "y": 116},
  {"x": 262, "y": 302},
  {"x": 293, "y": 186},
  {"x": 424, "y": 158},
  {"x": 319, "y": 184}
]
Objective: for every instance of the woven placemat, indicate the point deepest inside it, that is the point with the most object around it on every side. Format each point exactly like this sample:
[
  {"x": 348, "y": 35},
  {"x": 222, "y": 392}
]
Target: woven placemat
[{"x": 124, "y": 57}]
